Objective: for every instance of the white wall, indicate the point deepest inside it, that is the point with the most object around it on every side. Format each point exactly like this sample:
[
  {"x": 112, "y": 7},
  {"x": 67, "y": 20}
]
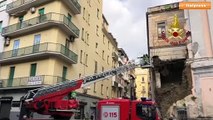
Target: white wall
[{"x": 4, "y": 17}]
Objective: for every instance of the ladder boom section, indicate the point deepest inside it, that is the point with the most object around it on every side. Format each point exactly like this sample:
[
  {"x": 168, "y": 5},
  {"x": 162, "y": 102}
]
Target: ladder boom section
[
  {"x": 94, "y": 78},
  {"x": 64, "y": 87}
]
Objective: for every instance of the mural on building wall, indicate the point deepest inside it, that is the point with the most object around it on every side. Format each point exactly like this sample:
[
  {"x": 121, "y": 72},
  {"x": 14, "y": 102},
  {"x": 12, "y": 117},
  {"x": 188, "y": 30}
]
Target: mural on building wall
[{"x": 175, "y": 34}]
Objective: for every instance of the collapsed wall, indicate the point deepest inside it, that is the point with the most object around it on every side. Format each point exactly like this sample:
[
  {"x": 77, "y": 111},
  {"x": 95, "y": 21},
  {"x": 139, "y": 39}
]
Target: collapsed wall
[{"x": 175, "y": 83}]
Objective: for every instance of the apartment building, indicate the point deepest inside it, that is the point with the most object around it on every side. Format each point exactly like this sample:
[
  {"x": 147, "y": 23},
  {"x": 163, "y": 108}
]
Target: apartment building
[
  {"x": 3, "y": 20},
  {"x": 142, "y": 83},
  {"x": 123, "y": 81},
  {"x": 167, "y": 40},
  {"x": 51, "y": 41}
]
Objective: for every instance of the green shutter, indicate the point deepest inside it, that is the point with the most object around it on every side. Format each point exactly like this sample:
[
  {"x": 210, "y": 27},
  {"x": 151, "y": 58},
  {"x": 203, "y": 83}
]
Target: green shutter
[
  {"x": 21, "y": 18},
  {"x": 69, "y": 17},
  {"x": 0, "y": 26},
  {"x": 64, "y": 74},
  {"x": 33, "y": 70},
  {"x": 41, "y": 11},
  {"x": 11, "y": 76}
]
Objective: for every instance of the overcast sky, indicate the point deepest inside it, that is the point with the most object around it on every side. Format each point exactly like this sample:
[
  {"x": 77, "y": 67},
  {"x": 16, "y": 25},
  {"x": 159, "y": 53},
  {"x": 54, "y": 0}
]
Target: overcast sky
[{"x": 127, "y": 23}]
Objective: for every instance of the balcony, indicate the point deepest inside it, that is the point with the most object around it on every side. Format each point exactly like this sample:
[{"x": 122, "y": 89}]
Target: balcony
[
  {"x": 40, "y": 23},
  {"x": 37, "y": 52},
  {"x": 30, "y": 82},
  {"x": 23, "y": 5},
  {"x": 73, "y": 5},
  {"x": 114, "y": 56}
]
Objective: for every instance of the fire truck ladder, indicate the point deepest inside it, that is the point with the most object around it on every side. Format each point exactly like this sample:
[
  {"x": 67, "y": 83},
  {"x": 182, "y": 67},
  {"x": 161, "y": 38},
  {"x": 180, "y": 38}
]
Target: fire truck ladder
[{"x": 42, "y": 92}]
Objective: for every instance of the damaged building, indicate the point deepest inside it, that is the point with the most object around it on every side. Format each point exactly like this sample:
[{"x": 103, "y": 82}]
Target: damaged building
[{"x": 167, "y": 40}]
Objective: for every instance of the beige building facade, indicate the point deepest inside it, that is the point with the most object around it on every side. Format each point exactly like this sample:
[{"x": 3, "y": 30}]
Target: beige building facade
[
  {"x": 51, "y": 41},
  {"x": 142, "y": 82}
]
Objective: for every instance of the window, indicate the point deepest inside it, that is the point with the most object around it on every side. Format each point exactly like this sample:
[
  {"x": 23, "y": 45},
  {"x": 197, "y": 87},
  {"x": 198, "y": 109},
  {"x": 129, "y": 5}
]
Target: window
[
  {"x": 102, "y": 69},
  {"x": 142, "y": 79},
  {"x": 15, "y": 48},
  {"x": 37, "y": 39},
  {"x": 21, "y": 18},
  {"x": 86, "y": 59},
  {"x": 96, "y": 47},
  {"x": 67, "y": 44},
  {"x": 146, "y": 111},
  {"x": 82, "y": 34},
  {"x": 81, "y": 56},
  {"x": 108, "y": 44},
  {"x": 97, "y": 29},
  {"x": 88, "y": 18},
  {"x": 87, "y": 39},
  {"x": 103, "y": 54},
  {"x": 97, "y": 13},
  {"x": 84, "y": 13},
  {"x": 161, "y": 27},
  {"x": 64, "y": 73},
  {"x": 107, "y": 94},
  {"x": 104, "y": 39},
  {"x": 102, "y": 89},
  {"x": 94, "y": 88},
  {"x": 69, "y": 17},
  {"x": 11, "y": 76},
  {"x": 96, "y": 67},
  {"x": 1, "y": 26},
  {"x": 33, "y": 69},
  {"x": 41, "y": 11}
]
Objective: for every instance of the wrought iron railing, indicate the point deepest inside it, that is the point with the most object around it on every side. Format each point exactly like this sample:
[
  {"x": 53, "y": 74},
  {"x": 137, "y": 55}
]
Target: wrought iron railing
[
  {"x": 77, "y": 5},
  {"x": 49, "y": 17},
  {"x": 40, "y": 48},
  {"x": 31, "y": 81},
  {"x": 19, "y": 3}
]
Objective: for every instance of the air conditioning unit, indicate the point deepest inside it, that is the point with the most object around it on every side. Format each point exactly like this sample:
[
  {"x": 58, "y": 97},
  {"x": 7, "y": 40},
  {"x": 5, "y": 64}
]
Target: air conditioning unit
[
  {"x": 32, "y": 10},
  {"x": 72, "y": 38},
  {"x": 7, "y": 41}
]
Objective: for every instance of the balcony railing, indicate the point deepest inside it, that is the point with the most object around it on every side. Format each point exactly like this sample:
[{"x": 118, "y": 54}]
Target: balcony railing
[
  {"x": 17, "y": 3},
  {"x": 24, "y": 82},
  {"x": 115, "y": 56},
  {"x": 40, "y": 22},
  {"x": 74, "y": 6},
  {"x": 20, "y": 5},
  {"x": 39, "y": 50}
]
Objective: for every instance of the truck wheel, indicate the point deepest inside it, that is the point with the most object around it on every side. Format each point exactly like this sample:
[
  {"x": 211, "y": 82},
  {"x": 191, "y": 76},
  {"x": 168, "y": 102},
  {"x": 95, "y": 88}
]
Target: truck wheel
[{"x": 61, "y": 118}]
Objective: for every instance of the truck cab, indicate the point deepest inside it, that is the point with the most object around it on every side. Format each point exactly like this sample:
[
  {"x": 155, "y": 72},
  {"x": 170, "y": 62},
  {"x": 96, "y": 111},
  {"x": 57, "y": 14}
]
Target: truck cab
[{"x": 125, "y": 109}]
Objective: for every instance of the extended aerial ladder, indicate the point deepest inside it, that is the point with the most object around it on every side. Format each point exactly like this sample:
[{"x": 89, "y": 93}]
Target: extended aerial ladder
[{"x": 50, "y": 100}]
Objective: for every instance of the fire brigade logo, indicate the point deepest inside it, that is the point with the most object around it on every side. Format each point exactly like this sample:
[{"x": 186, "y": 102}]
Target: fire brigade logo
[
  {"x": 176, "y": 35},
  {"x": 105, "y": 114}
]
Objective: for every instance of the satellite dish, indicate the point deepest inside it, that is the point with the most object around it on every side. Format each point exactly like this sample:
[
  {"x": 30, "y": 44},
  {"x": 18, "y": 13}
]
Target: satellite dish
[{"x": 195, "y": 46}]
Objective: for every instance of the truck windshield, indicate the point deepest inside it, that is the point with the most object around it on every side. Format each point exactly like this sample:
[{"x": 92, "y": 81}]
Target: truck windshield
[{"x": 146, "y": 111}]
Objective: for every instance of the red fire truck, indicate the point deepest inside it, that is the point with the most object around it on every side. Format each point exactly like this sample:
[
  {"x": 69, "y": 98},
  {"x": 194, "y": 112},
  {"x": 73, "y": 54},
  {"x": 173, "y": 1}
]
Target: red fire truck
[
  {"x": 51, "y": 101},
  {"x": 125, "y": 109}
]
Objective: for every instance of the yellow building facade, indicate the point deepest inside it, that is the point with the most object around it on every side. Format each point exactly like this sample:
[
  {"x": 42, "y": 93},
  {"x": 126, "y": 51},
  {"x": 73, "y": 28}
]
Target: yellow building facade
[
  {"x": 50, "y": 41},
  {"x": 142, "y": 82}
]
